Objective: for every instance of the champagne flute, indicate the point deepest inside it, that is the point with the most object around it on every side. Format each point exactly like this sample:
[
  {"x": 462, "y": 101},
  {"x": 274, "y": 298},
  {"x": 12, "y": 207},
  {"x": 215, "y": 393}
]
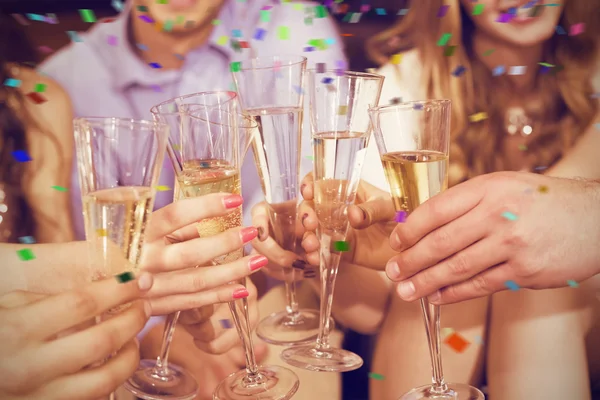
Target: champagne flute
[
  {"x": 119, "y": 162},
  {"x": 339, "y": 103},
  {"x": 271, "y": 92},
  {"x": 158, "y": 379},
  {"x": 413, "y": 140}
]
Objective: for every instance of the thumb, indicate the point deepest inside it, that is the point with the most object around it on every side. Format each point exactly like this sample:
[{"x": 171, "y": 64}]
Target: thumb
[
  {"x": 260, "y": 219},
  {"x": 371, "y": 212}
]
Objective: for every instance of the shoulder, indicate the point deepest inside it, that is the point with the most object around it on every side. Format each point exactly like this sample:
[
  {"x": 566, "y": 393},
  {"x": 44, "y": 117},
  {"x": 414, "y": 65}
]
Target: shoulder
[{"x": 403, "y": 78}]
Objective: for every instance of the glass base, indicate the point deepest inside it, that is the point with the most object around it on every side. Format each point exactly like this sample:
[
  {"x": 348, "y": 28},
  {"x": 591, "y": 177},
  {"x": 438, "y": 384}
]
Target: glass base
[
  {"x": 272, "y": 383},
  {"x": 329, "y": 360},
  {"x": 456, "y": 391},
  {"x": 284, "y": 329},
  {"x": 178, "y": 384}
]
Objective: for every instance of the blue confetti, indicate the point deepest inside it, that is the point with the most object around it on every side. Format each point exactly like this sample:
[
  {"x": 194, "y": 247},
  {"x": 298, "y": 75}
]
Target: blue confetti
[
  {"x": 309, "y": 49},
  {"x": 380, "y": 11},
  {"x": 36, "y": 17},
  {"x": 403, "y": 11},
  {"x": 117, "y": 5},
  {"x": 74, "y": 36},
  {"x": 330, "y": 41},
  {"x": 236, "y": 33},
  {"x": 509, "y": 216},
  {"x": 180, "y": 57},
  {"x": 459, "y": 71},
  {"x": 512, "y": 285},
  {"x": 572, "y": 283},
  {"x": 512, "y": 11},
  {"x": 27, "y": 240},
  {"x": 155, "y": 65},
  {"x": 499, "y": 70},
  {"x": 560, "y": 30},
  {"x": 12, "y": 82},
  {"x": 327, "y": 81},
  {"x": 259, "y": 34},
  {"x": 298, "y": 89},
  {"x": 142, "y": 47},
  {"x": 21, "y": 156},
  {"x": 226, "y": 323},
  {"x": 597, "y": 126}
]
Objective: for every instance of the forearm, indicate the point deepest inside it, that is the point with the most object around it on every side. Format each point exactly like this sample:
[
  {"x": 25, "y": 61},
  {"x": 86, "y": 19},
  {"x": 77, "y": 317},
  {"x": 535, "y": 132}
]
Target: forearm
[{"x": 361, "y": 298}]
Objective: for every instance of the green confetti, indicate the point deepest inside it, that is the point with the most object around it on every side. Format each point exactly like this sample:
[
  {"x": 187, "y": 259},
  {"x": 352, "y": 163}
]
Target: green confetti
[
  {"x": 509, "y": 216},
  {"x": 168, "y": 26},
  {"x": 40, "y": 87},
  {"x": 478, "y": 9},
  {"x": 444, "y": 39},
  {"x": 341, "y": 246},
  {"x": 311, "y": 158},
  {"x": 375, "y": 376},
  {"x": 265, "y": 16},
  {"x": 26, "y": 254},
  {"x": 320, "y": 12},
  {"x": 544, "y": 64},
  {"x": 216, "y": 22},
  {"x": 572, "y": 283},
  {"x": 125, "y": 277},
  {"x": 60, "y": 188},
  {"x": 236, "y": 66},
  {"x": 180, "y": 20},
  {"x": 142, "y": 8},
  {"x": 522, "y": 147},
  {"x": 489, "y": 52},
  {"x": 87, "y": 15},
  {"x": 162, "y": 1},
  {"x": 283, "y": 32},
  {"x": 449, "y": 51}
]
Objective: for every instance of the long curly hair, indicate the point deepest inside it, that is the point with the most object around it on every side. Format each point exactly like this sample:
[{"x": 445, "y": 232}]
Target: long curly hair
[
  {"x": 565, "y": 108},
  {"x": 15, "y": 50}
]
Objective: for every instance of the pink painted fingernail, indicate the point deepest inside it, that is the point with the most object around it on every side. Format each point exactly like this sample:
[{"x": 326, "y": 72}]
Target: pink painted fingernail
[
  {"x": 257, "y": 262},
  {"x": 248, "y": 234},
  {"x": 406, "y": 289},
  {"x": 240, "y": 293},
  {"x": 233, "y": 201},
  {"x": 393, "y": 270}
]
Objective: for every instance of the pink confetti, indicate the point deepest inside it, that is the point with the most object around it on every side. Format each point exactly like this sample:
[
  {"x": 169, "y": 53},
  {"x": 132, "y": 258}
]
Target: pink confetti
[
  {"x": 112, "y": 40},
  {"x": 401, "y": 216},
  {"x": 45, "y": 49},
  {"x": 577, "y": 29}
]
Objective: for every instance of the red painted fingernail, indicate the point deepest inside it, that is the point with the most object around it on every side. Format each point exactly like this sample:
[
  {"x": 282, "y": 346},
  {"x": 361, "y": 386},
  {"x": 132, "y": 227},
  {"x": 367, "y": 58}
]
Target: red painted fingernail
[
  {"x": 248, "y": 234},
  {"x": 257, "y": 262},
  {"x": 240, "y": 293},
  {"x": 233, "y": 201}
]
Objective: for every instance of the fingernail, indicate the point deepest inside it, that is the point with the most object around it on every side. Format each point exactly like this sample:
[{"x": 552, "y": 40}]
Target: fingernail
[
  {"x": 240, "y": 293},
  {"x": 365, "y": 217},
  {"x": 406, "y": 290},
  {"x": 434, "y": 298},
  {"x": 248, "y": 234},
  {"x": 145, "y": 282},
  {"x": 233, "y": 201},
  {"x": 393, "y": 270},
  {"x": 261, "y": 232},
  {"x": 304, "y": 217},
  {"x": 300, "y": 264},
  {"x": 302, "y": 187},
  {"x": 257, "y": 262},
  {"x": 396, "y": 240},
  {"x": 147, "y": 309}
]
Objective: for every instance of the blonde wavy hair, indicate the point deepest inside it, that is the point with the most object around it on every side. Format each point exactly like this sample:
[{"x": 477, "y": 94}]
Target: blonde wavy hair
[{"x": 565, "y": 108}]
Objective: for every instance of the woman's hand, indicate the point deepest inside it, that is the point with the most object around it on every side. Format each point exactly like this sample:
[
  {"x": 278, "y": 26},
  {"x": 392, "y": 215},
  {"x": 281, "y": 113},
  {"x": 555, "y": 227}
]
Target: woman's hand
[
  {"x": 173, "y": 250},
  {"x": 44, "y": 353},
  {"x": 472, "y": 239}
]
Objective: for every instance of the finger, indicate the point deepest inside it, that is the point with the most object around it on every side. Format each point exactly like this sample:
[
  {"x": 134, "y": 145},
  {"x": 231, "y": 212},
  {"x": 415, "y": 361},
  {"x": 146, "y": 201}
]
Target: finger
[
  {"x": 309, "y": 219},
  {"x": 371, "y": 212},
  {"x": 455, "y": 269},
  {"x": 438, "y": 211},
  {"x": 60, "y": 312},
  {"x": 311, "y": 246},
  {"x": 307, "y": 187},
  {"x": 197, "y": 315},
  {"x": 93, "y": 344},
  {"x": 260, "y": 219},
  {"x": 198, "y": 251},
  {"x": 182, "y": 302},
  {"x": 19, "y": 298},
  {"x": 484, "y": 284},
  {"x": 95, "y": 383},
  {"x": 184, "y": 212},
  {"x": 440, "y": 244}
]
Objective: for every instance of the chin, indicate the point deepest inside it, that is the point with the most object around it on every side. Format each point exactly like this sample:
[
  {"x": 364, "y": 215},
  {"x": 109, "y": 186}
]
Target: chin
[{"x": 527, "y": 37}]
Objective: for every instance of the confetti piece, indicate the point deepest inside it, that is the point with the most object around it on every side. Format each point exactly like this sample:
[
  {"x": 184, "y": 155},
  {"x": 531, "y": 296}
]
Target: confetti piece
[
  {"x": 155, "y": 65},
  {"x": 517, "y": 70},
  {"x": 226, "y": 323},
  {"x": 265, "y": 16},
  {"x": 308, "y": 49},
  {"x": 380, "y": 11},
  {"x": 45, "y": 49},
  {"x": 478, "y": 117},
  {"x": 478, "y": 9},
  {"x": 535, "y": 12},
  {"x": 112, "y": 40},
  {"x": 577, "y": 29},
  {"x": 446, "y": 331},
  {"x": 222, "y": 40},
  {"x": 498, "y": 70},
  {"x": 544, "y": 64},
  {"x": 377, "y": 377},
  {"x": 320, "y": 12},
  {"x": 20, "y": 19},
  {"x": 298, "y": 89},
  {"x": 311, "y": 158},
  {"x": 341, "y": 246},
  {"x": 457, "y": 342},
  {"x": 396, "y": 100},
  {"x": 236, "y": 66},
  {"x": 560, "y": 30},
  {"x": 216, "y": 22},
  {"x": 21, "y": 156},
  {"x": 459, "y": 71},
  {"x": 365, "y": 8},
  {"x": 236, "y": 33},
  {"x": 179, "y": 57},
  {"x": 117, "y": 5},
  {"x": 488, "y": 52},
  {"x": 74, "y": 36},
  {"x": 443, "y": 10},
  {"x": 125, "y": 277},
  {"x": 504, "y": 18},
  {"x": 449, "y": 51},
  {"x": 163, "y": 188},
  {"x": 26, "y": 254},
  {"x": 101, "y": 232},
  {"x": 512, "y": 285},
  {"x": 543, "y": 189},
  {"x": 327, "y": 81},
  {"x": 572, "y": 283},
  {"x": 343, "y": 110},
  {"x": 168, "y": 26},
  {"x": 396, "y": 58},
  {"x": 478, "y": 340},
  {"x": 259, "y": 34},
  {"x": 87, "y": 15},
  {"x": 141, "y": 46},
  {"x": 403, "y": 11},
  {"x": 27, "y": 240},
  {"x": 355, "y": 18},
  {"x": 444, "y": 39},
  {"x": 321, "y": 68},
  {"x": 36, "y": 17},
  {"x": 162, "y": 1},
  {"x": 36, "y": 98},
  {"x": 401, "y": 216},
  {"x": 142, "y": 8},
  {"x": 522, "y": 147},
  {"x": 12, "y": 82},
  {"x": 418, "y": 106},
  {"x": 146, "y": 18},
  {"x": 509, "y": 216},
  {"x": 540, "y": 168},
  {"x": 283, "y": 32}
]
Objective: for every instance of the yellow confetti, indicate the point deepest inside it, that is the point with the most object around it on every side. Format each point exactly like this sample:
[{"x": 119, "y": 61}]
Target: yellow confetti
[
  {"x": 343, "y": 110},
  {"x": 478, "y": 117},
  {"x": 163, "y": 188},
  {"x": 222, "y": 40},
  {"x": 396, "y": 58},
  {"x": 543, "y": 189},
  {"x": 102, "y": 232}
]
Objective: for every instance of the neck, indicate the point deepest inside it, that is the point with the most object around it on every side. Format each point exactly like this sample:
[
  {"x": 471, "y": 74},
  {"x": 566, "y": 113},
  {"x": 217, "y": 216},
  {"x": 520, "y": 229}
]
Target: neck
[
  {"x": 508, "y": 55},
  {"x": 163, "y": 47}
]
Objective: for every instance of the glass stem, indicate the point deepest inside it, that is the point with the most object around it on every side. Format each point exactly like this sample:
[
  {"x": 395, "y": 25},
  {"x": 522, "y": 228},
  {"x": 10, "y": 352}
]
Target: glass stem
[
  {"x": 162, "y": 362},
  {"x": 329, "y": 268},
  {"x": 292, "y": 300},
  {"x": 431, "y": 315}
]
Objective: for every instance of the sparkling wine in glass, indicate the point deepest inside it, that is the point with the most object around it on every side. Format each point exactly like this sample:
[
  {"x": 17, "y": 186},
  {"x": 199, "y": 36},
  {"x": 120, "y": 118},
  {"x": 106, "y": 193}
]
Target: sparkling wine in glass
[
  {"x": 339, "y": 103},
  {"x": 413, "y": 140},
  {"x": 119, "y": 162},
  {"x": 158, "y": 379}
]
